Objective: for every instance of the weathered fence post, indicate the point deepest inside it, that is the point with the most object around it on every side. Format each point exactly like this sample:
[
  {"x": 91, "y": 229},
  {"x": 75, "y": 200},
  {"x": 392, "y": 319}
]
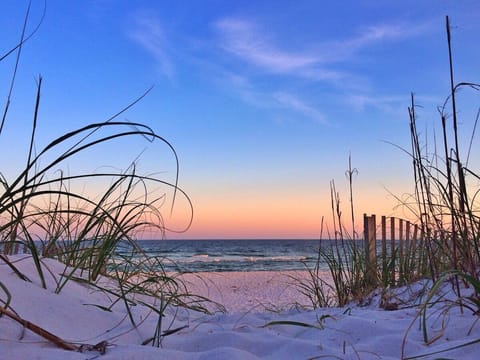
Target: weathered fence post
[
  {"x": 392, "y": 251},
  {"x": 370, "y": 237},
  {"x": 401, "y": 277},
  {"x": 416, "y": 258},
  {"x": 384, "y": 250},
  {"x": 406, "y": 261}
]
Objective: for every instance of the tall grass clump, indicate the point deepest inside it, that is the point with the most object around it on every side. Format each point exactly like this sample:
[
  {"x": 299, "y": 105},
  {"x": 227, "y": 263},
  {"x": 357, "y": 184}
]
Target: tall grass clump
[
  {"x": 319, "y": 291},
  {"x": 446, "y": 186},
  {"x": 447, "y": 208},
  {"x": 344, "y": 255},
  {"x": 49, "y": 209}
]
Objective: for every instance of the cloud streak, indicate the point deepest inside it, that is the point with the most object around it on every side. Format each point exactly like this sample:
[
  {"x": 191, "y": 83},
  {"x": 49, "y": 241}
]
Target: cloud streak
[
  {"x": 243, "y": 39},
  {"x": 345, "y": 49},
  {"x": 272, "y": 100},
  {"x": 149, "y": 34},
  {"x": 294, "y": 103},
  {"x": 247, "y": 41}
]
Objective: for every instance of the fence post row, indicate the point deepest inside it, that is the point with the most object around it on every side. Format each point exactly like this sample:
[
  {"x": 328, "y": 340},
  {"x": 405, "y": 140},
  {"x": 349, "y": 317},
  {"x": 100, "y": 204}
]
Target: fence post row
[{"x": 398, "y": 264}]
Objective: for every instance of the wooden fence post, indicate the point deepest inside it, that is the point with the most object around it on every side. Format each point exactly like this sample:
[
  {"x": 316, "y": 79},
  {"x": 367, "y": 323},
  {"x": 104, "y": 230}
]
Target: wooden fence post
[
  {"x": 392, "y": 250},
  {"x": 401, "y": 277},
  {"x": 406, "y": 261},
  {"x": 370, "y": 237},
  {"x": 417, "y": 256},
  {"x": 384, "y": 250}
]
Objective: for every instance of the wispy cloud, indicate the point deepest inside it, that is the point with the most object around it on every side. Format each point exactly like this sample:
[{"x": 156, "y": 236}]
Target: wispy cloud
[
  {"x": 392, "y": 104},
  {"x": 341, "y": 50},
  {"x": 377, "y": 33},
  {"x": 149, "y": 34},
  {"x": 243, "y": 87},
  {"x": 250, "y": 42},
  {"x": 243, "y": 39},
  {"x": 247, "y": 91},
  {"x": 292, "y": 102},
  {"x": 246, "y": 41},
  {"x": 360, "y": 102}
]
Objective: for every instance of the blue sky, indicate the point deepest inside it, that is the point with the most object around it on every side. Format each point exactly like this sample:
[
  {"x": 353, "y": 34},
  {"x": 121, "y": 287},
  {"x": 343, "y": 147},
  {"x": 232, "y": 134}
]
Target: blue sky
[{"x": 263, "y": 100}]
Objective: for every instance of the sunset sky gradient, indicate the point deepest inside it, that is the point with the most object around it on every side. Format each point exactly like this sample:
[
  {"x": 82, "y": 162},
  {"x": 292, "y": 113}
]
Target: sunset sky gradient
[{"x": 262, "y": 100}]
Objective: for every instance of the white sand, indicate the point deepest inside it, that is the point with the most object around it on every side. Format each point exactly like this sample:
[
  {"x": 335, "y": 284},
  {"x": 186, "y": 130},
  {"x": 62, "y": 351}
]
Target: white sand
[
  {"x": 251, "y": 291},
  {"x": 342, "y": 333}
]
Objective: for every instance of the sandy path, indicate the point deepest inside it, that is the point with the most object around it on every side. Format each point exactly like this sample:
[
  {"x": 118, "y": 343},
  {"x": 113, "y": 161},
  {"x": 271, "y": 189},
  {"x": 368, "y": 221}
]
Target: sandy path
[{"x": 250, "y": 290}]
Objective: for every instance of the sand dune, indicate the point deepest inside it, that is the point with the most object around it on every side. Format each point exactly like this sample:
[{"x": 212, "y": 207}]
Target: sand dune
[{"x": 244, "y": 332}]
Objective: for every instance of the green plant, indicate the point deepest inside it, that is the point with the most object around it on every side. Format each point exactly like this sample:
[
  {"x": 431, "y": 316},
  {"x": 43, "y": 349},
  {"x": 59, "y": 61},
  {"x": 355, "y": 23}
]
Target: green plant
[
  {"x": 317, "y": 290},
  {"x": 446, "y": 205},
  {"x": 435, "y": 299},
  {"x": 45, "y": 212},
  {"x": 343, "y": 256}
]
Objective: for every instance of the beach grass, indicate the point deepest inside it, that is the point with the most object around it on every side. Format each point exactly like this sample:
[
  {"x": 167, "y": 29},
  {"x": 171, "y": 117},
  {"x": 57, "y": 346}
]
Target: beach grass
[
  {"x": 446, "y": 193},
  {"x": 445, "y": 208},
  {"x": 344, "y": 256},
  {"x": 44, "y": 214},
  {"x": 446, "y": 189}
]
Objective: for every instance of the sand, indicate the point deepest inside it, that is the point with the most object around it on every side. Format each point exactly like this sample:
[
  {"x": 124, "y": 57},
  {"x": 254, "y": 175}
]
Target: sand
[
  {"x": 77, "y": 314},
  {"x": 252, "y": 291}
]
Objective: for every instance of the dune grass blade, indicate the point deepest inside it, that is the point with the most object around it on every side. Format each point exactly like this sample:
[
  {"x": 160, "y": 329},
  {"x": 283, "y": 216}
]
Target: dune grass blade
[
  {"x": 40, "y": 331},
  {"x": 434, "y": 291},
  {"x": 456, "y": 347},
  {"x": 8, "y": 295},
  {"x": 25, "y": 38},
  {"x": 14, "y": 268},
  {"x": 292, "y": 323},
  {"x": 318, "y": 291}
]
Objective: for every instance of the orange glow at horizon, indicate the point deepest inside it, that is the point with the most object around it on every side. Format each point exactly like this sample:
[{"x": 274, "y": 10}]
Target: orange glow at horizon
[{"x": 295, "y": 216}]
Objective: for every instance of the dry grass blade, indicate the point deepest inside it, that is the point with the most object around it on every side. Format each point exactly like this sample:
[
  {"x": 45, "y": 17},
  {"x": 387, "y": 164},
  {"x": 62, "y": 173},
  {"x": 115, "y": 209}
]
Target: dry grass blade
[
  {"x": 40, "y": 331},
  {"x": 293, "y": 323},
  {"x": 14, "y": 269},
  {"x": 7, "y": 293}
]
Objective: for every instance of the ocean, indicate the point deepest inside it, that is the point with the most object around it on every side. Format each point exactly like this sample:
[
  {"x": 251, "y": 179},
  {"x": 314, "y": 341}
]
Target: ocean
[{"x": 233, "y": 255}]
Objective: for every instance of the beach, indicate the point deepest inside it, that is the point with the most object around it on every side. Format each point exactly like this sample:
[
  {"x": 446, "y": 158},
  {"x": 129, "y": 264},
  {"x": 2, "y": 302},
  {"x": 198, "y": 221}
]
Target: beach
[
  {"x": 260, "y": 323},
  {"x": 186, "y": 180}
]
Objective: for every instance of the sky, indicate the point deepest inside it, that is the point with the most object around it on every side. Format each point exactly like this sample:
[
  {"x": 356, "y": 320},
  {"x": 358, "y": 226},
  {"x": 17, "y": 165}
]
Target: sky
[{"x": 263, "y": 101}]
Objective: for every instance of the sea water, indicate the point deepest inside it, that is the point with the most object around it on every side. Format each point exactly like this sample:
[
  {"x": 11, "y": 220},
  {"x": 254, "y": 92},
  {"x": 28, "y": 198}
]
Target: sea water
[{"x": 234, "y": 255}]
